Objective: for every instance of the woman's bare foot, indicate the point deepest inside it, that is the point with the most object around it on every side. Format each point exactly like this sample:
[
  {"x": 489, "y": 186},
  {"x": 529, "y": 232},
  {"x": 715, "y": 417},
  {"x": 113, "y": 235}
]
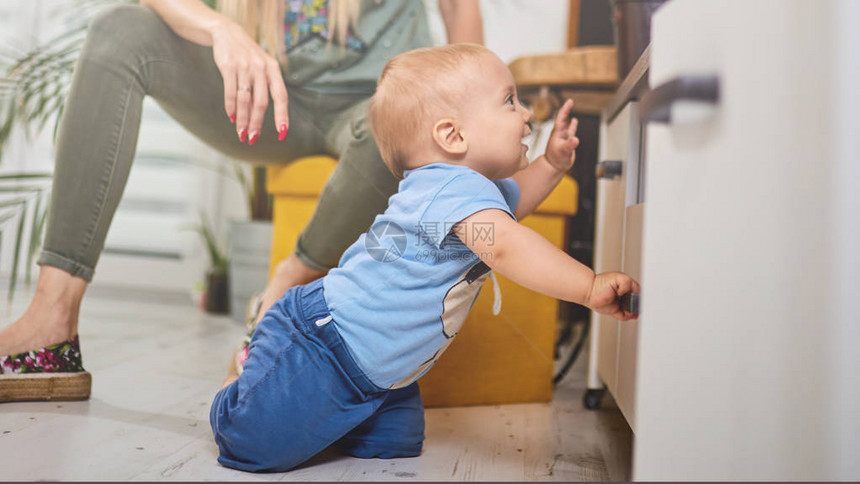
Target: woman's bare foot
[
  {"x": 289, "y": 272},
  {"x": 52, "y": 316},
  {"x": 230, "y": 379}
]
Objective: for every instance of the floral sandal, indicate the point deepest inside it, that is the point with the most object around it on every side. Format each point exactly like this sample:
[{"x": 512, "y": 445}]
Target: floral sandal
[{"x": 51, "y": 373}]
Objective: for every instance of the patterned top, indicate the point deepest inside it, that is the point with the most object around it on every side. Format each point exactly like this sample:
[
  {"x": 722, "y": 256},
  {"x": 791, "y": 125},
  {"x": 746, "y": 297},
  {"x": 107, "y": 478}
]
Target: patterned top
[{"x": 306, "y": 18}]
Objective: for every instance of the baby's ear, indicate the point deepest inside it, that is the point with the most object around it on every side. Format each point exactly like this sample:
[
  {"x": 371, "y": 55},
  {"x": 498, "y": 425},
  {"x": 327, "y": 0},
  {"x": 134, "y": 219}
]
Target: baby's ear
[{"x": 448, "y": 134}]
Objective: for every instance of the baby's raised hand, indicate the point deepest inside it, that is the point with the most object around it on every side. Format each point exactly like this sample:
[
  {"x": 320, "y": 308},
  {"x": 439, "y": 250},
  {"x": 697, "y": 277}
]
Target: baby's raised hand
[
  {"x": 560, "y": 149},
  {"x": 606, "y": 292}
]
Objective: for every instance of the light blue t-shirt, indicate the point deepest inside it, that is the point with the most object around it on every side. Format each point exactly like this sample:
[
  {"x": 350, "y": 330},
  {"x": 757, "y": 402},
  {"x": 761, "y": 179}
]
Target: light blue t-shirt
[{"x": 402, "y": 291}]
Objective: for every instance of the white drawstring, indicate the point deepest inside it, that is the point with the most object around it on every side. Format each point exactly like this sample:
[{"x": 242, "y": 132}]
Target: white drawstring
[{"x": 497, "y": 295}]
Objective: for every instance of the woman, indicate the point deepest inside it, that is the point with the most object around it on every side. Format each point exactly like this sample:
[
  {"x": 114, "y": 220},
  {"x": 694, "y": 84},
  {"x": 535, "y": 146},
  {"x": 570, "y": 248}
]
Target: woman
[{"x": 265, "y": 81}]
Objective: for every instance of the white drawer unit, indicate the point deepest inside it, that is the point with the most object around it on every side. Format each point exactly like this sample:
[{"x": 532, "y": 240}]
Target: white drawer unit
[
  {"x": 743, "y": 364},
  {"x": 617, "y": 247}
]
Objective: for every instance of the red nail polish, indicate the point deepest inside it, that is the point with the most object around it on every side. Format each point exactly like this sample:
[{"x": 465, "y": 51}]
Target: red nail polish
[
  {"x": 233, "y": 118},
  {"x": 282, "y": 132},
  {"x": 243, "y": 135},
  {"x": 253, "y": 139}
]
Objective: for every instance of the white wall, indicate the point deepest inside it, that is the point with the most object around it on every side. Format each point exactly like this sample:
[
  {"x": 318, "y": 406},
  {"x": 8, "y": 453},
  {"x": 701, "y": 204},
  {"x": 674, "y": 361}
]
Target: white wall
[{"x": 514, "y": 28}]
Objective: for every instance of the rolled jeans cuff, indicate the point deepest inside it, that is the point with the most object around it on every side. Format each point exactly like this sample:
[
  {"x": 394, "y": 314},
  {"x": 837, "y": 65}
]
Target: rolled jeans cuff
[{"x": 72, "y": 267}]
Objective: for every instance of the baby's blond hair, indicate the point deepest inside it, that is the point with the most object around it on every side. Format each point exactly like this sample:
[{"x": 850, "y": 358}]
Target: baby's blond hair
[{"x": 414, "y": 89}]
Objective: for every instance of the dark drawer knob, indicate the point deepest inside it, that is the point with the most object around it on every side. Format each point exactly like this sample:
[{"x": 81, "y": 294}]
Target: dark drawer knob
[{"x": 609, "y": 169}]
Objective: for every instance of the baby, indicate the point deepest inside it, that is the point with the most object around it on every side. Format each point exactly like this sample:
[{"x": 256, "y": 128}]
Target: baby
[{"x": 336, "y": 361}]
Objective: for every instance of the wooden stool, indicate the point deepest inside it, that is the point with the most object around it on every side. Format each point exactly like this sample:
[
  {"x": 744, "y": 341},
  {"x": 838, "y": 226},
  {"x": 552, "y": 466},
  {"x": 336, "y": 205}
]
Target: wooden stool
[
  {"x": 588, "y": 75},
  {"x": 295, "y": 189}
]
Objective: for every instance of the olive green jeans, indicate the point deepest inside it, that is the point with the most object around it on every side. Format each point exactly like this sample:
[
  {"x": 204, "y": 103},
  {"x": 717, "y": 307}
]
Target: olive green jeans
[{"x": 130, "y": 53}]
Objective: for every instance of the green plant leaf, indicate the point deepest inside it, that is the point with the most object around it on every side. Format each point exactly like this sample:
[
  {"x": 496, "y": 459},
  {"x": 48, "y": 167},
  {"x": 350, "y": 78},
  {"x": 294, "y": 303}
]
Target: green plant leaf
[
  {"x": 217, "y": 257},
  {"x": 35, "y": 237},
  {"x": 14, "y": 276}
]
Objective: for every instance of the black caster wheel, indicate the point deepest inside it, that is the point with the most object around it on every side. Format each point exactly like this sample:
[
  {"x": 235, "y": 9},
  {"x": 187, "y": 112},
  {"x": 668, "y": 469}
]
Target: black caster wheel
[{"x": 592, "y": 398}]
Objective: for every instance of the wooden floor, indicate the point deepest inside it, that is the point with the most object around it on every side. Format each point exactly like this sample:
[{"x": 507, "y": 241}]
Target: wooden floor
[{"x": 157, "y": 362}]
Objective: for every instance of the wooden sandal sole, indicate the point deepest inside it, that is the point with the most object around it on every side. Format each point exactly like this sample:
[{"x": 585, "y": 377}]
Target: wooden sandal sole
[{"x": 30, "y": 387}]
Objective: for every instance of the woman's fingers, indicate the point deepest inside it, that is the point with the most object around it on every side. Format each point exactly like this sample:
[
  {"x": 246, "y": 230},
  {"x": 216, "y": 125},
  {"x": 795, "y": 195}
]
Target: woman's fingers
[
  {"x": 260, "y": 100},
  {"x": 228, "y": 73},
  {"x": 280, "y": 99},
  {"x": 243, "y": 104}
]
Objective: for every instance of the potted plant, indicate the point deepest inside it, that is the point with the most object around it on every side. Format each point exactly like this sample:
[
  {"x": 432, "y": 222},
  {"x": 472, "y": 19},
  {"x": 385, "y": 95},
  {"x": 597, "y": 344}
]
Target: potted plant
[{"x": 216, "y": 297}]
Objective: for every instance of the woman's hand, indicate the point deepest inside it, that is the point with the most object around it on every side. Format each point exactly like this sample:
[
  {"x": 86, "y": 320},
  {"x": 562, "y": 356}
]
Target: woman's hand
[
  {"x": 560, "y": 149},
  {"x": 250, "y": 76}
]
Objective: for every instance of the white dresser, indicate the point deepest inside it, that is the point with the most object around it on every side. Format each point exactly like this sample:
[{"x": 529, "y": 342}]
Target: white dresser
[
  {"x": 744, "y": 362},
  {"x": 619, "y": 220}
]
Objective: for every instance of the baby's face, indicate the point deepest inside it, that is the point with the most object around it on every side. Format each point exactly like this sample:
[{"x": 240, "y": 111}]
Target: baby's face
[{"x": 494, "y": 121}]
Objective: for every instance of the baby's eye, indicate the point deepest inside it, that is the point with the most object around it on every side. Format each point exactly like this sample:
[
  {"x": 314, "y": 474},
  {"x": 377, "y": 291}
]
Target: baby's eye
[{"x": 509, "y": 100}]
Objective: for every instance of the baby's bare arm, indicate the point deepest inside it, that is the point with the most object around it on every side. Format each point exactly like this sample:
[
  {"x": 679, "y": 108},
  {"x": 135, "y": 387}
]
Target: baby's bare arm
[
  {"x": 536, "y": 183},
  {"x": 538, "y": 180},
  {"x": 525, "y": 257}
]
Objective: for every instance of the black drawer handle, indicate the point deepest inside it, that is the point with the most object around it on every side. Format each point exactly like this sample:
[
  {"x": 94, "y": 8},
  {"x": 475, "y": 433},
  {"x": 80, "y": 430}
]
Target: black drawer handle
[
  {"x": 610, "y": 169},
  {"x": 630, "y": 303},
  {"x": 655, "y": 105}
]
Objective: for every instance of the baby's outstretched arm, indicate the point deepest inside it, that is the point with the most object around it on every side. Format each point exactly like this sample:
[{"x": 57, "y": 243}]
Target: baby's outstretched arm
[
  {"x": 538, "y": 180},
  {"x": 525, "y": 257}
]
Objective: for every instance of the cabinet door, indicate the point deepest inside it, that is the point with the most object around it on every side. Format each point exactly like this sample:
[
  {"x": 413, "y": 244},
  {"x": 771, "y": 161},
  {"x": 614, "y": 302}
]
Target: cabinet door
[
  {"x": 628, "y": 331},
  {"x": 607, "y": 257},
  {"x": 619, "y": 142}
]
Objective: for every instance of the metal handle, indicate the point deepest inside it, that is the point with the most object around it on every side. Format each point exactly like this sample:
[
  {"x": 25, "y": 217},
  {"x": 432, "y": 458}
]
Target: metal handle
[
  {"x": 655, "y": 105},
  {"x": 608, "y": 169},
  {"x": 630, "y": 303}
]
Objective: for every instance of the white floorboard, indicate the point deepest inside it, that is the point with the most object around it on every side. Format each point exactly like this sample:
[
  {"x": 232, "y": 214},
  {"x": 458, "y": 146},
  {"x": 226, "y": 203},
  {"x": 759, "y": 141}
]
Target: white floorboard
[{"x": 157, "y": 362}]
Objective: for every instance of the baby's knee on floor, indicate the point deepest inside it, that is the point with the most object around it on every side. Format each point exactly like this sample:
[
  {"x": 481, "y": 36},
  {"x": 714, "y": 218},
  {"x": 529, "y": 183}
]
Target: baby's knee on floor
[{"x": 380, "y": 450}]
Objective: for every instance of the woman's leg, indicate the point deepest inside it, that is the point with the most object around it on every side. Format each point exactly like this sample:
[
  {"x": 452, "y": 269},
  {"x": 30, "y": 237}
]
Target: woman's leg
[{"x": 129, "y": 53}]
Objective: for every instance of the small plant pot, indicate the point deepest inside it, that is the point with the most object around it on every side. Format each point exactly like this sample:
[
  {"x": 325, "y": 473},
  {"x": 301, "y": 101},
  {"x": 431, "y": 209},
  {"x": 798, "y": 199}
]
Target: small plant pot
[{"x": 217, "y": 292}]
